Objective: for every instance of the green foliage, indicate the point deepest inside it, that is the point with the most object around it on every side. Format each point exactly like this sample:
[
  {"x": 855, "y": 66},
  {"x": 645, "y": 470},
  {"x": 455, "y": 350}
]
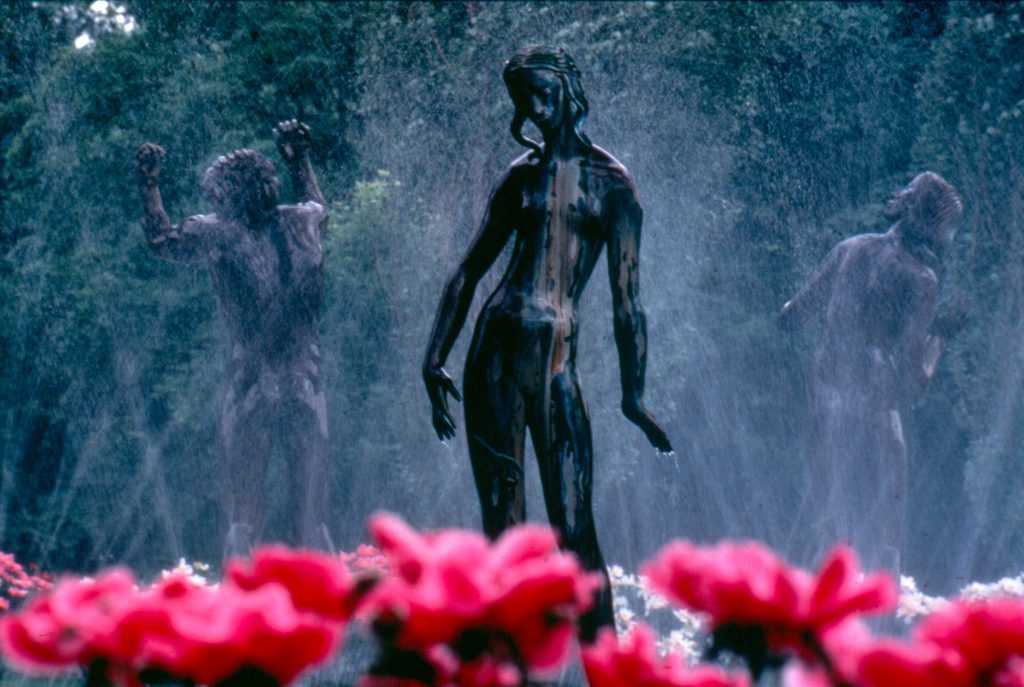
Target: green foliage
[{"x": 971, "y": 98}]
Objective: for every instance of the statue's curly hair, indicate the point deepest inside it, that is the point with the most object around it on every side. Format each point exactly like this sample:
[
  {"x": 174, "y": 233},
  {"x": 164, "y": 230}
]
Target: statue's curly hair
[
  {"x": 926, "y": 206},
  {"x": 244, "y": 184},
  {"x": 559, "y": 61}
]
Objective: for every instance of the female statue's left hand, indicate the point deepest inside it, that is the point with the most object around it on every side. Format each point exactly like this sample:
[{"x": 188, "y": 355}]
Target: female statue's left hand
[{"x": 636, "y": 413}]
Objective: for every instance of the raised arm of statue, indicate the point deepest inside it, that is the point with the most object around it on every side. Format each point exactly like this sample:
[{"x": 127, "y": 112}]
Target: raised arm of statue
[
  {"x": 484, "y": 249},
  {"x": 809, "y": 302},
  {"x": 624, "y": 218},
  {"x": 186, "y": 242},
  {"x": 293, "y": 142}
]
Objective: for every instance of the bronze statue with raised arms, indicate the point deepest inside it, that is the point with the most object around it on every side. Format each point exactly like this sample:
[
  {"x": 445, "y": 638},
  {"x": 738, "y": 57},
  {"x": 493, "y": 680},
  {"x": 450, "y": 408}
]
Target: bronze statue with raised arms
[{"x": 266, "y": 263}]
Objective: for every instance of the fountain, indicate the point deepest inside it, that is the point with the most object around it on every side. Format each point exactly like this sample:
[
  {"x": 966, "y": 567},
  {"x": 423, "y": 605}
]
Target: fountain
[{"x": 759, "y": 136}]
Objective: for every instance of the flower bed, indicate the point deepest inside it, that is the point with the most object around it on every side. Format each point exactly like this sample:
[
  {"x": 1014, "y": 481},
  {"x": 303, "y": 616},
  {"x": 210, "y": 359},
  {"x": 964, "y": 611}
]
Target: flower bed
[{"x": 452, "y": 609}]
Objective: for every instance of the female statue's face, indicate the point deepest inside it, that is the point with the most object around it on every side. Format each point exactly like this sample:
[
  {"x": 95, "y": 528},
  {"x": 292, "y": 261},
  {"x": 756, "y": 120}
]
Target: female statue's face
[{"x": 539, "y": 94}]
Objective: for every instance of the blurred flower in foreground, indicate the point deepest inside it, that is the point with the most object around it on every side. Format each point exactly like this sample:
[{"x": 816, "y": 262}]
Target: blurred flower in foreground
[
  {"x": 762, "y": 609},
  {"x": 511, "y": 603},
  {"x": 964, "y": 644},
  {"x": 633, "y": 662},
  {"x": 316, "y": 582},
  {"x": 69, "y": 626},
  {"x": 267, "y": 624}
]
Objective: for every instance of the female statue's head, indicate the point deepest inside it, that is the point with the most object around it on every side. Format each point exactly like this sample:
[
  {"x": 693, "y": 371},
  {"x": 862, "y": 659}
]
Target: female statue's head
[
  {"x": 242, "y": 185},
  {"x": 927, "y": 210},
  {"x": 544, "y": 85}
]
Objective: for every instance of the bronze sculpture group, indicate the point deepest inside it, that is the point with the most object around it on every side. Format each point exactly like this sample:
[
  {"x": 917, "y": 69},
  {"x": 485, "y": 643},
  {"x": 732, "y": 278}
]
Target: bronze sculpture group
[{"x": 560, "y": 205}]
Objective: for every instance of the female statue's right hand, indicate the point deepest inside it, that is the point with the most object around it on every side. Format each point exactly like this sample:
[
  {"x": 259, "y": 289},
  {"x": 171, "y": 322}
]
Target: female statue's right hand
[{"x": 439, "y": 385}]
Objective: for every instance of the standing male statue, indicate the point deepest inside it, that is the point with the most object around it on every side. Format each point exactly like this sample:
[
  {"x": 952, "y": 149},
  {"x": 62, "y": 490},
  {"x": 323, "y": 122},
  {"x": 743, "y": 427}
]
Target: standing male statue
[
  {"x": 561, "y": 203},
  {"x": 266, "y": 263},
  {"x": 878, "y": 349}
]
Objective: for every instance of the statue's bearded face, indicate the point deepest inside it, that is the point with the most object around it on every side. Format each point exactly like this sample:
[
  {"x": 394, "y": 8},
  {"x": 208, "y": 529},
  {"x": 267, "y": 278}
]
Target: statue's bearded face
[{"x": 538, "y": 94}]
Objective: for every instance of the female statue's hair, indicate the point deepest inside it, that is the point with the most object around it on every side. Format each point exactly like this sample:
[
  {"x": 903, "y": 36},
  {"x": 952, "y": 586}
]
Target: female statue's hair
[
  {"x": 243, "y": 184},
  {"x": 926, "y": 208},
  {"x": 560, "y": 62}
]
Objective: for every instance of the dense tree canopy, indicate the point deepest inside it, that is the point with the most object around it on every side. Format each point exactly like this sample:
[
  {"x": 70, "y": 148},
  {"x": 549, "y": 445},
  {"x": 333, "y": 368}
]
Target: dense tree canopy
[{"x": 759, "y": 136}]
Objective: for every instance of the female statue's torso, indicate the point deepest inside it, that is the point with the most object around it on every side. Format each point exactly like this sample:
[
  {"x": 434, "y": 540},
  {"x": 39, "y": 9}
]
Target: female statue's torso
[{"x": 559, "y": 234}]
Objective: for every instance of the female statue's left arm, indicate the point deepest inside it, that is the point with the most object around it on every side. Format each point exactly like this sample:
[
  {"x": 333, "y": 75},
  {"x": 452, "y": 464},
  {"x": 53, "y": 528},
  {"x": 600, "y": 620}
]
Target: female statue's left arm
[{"x": 624, "y": 218}]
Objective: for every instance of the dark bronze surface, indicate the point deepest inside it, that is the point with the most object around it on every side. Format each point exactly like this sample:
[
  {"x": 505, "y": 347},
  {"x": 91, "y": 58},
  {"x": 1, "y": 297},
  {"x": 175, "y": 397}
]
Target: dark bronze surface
[
  {"x": 266, "y": 264},
  {"x": 561, "y": 204},
  {"x": 878, "y": 349}
]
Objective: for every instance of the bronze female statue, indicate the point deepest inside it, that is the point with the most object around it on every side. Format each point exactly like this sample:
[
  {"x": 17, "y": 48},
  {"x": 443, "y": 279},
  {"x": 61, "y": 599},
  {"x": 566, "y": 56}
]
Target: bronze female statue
[
  {"x": 562, "y": 202},
  {"x": 266, "y": 263}
]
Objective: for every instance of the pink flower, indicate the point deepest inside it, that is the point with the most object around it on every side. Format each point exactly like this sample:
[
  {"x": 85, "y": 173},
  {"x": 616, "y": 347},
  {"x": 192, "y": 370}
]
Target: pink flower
[
  {"x": 1012, "y": 675},
  {"x": 986, "y": 635},
  {"x": 964, "y": 644},
  {"x": 454, "y": 587},
  {"x": 316, "y": 582},
  {"x": 67, "y": 627},
  {"x": 16, "y": 583},
  {"x": 365, "y": 559},
  {"x": 208, "y": 634},
  {"x": 193, "y": 632},
  {"x": 894, "y": 663},
  {"x": 633, "y": 662},
  {"x": 758, "y": 606}
]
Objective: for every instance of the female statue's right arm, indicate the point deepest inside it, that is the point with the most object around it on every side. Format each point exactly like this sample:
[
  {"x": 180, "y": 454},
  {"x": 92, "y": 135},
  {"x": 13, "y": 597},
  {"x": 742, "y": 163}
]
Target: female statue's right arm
[{"x": 458, "y": 295}]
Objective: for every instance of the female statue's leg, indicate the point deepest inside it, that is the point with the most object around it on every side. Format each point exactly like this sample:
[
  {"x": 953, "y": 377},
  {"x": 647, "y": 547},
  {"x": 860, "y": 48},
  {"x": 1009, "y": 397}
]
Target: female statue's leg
[{"x": 562, "y": 439}]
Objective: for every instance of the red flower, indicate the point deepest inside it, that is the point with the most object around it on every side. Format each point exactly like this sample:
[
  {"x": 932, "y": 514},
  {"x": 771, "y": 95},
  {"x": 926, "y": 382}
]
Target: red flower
[
  {"x": 1012, "y": 675},
  {"x": 748, "y": 592},
  {"x": 316, "y": 582},
  {"x": 208, "y": 634},
  {"x": 452, "y": 584},
  {"x": 895, "y": 663},
  {"x": 633, "y": 662},
  {"x": 67, "y": 627},
  {"x": 539, "y": 593},
  {"x": 964, "y": 644},
  {"x": 985, "y": 635},
  {"x": 204, "y": 634}
]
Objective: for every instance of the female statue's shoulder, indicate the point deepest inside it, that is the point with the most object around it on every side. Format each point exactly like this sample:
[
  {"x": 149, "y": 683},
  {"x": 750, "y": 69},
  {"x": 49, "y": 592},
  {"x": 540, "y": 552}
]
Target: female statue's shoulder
[{"x": 604, "y": 163}]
